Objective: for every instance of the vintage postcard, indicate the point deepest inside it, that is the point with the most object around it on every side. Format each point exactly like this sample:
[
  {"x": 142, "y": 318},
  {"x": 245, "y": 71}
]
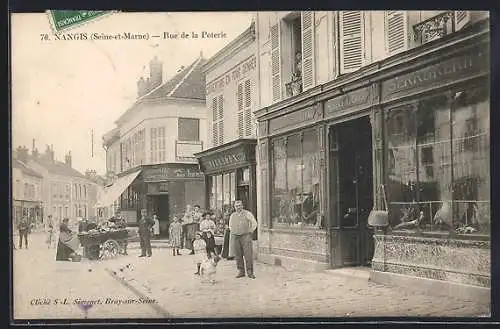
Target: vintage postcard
[{"x": 331, "y": 164}]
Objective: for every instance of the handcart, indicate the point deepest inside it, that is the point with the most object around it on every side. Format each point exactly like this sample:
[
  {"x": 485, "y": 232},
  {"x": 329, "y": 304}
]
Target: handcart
[{"x": 104, "y": 244}]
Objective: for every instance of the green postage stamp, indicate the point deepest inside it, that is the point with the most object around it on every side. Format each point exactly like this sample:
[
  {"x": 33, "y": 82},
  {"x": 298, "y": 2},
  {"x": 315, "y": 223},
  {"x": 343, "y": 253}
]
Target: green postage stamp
[{"x": 65, "y": 19}]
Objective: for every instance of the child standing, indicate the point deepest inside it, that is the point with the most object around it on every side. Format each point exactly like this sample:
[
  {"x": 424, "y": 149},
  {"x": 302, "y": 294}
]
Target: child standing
[
  {"x": 175, "y": 234},
  {"x": 200, "y": 251}
]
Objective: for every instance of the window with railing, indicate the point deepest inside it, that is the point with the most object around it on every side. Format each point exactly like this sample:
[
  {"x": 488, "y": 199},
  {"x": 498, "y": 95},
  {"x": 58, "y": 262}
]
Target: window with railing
[
  {"x": 439, "y": 175},
  {"x": 440, "y": 25}
]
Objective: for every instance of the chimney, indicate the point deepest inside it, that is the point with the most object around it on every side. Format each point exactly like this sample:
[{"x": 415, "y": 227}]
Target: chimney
[
  {"x": 22, "y": 154},
  {"x": 49, "y": 153},
  {"x": 155, "y": 73},
  {"x": 67, "y": 159},
  {"x": 141, "y": 87},
  {"x": 34, "y": 153},
  {"x": 201, "y": 53}
]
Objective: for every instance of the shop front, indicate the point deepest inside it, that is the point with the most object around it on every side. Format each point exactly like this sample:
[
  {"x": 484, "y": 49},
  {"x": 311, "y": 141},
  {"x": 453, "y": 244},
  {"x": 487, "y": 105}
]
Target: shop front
[
  {"x": 230, "y": 175},
  {"x": 409, "y": 135},
  {"x": 169, "y": 188},
  {"x": 33, "y": 210}
]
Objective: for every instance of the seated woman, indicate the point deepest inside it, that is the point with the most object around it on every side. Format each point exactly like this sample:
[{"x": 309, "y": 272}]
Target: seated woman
[{"x": 68, "y": 242}]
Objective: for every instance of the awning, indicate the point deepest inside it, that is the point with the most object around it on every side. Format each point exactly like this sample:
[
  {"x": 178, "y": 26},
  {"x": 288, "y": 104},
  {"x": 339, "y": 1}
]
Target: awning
[{"x": 113, "y": 192}]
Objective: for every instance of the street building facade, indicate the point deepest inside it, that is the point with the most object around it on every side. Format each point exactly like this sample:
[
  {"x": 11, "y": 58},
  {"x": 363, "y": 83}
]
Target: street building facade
[
  {"x": 150, "y": 154},
  {"x": 384, "y": 111},
  {"x": 65, "y": 192},
  {"x": 26, "y": 192},
  {"x": 229, "y": 162}
]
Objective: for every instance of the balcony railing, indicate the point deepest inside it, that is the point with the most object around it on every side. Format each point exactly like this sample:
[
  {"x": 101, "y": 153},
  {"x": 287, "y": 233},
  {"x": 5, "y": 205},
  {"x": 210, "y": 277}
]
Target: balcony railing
[
  {"x": 185, "y": 150},
  {"x": 293, "y": 87},
  {"x": 434, "y": 28}
]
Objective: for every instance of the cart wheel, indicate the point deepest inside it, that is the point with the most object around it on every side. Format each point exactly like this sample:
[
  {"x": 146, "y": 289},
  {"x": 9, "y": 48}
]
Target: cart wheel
[{"x": 109, "y": 249}]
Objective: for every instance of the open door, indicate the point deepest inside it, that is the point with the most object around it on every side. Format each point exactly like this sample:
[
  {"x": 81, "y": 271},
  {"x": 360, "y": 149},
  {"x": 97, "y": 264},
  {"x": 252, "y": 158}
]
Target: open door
[{"x": 351, "y": 193}]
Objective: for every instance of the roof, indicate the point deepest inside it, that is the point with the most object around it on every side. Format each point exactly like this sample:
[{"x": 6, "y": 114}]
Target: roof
[
  {"x": 59, "y": 168},
  {"x": 25, "y": 169},
  {"x": 187, "y": 84}
]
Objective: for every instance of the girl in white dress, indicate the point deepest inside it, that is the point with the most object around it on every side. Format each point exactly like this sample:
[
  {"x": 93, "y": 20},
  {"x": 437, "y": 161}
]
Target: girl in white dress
[{"x": 200, "y": 251}]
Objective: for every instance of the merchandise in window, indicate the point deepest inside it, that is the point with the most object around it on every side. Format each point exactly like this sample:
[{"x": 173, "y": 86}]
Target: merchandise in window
[
  {"x": 296, "y": 174},
  {"x": 221, "y": 198},
  {"x": 438, "y": 175}
]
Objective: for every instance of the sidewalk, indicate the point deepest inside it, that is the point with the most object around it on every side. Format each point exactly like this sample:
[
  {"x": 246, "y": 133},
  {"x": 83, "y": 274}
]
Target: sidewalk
[{"x": 278, "y": 292}]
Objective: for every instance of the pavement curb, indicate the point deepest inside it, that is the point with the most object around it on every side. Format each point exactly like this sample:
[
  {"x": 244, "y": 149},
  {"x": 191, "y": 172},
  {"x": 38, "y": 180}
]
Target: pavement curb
[{"x": 160, "y": 310}]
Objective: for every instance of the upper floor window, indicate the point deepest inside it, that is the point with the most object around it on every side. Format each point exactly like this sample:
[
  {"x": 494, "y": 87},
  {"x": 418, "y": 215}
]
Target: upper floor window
[
  {"x": 161, "y": 144},
  {"x": 189, "y": 130},
  {"x": 154, "y": 145},
  {"x": 352, "y": 40},
  {"x": 292, "y": 54},
  {"x": 217, "y": 120},
  {"x": 245, "y": 118}
]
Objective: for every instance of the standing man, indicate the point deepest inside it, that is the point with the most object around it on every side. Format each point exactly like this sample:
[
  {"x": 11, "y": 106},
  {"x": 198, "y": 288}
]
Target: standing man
[
  {"x": 242, "y": 223},
  {"x": 145, "y": 225},
  {"x": 24, "y": 228}
]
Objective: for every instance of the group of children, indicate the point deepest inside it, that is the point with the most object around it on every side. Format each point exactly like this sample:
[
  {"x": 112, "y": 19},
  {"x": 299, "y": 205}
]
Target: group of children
[{"x": 203, "y": 244}]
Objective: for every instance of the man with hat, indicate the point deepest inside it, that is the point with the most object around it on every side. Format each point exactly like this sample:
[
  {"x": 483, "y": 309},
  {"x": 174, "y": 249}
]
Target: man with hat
[{"x": 145, "y": 225}]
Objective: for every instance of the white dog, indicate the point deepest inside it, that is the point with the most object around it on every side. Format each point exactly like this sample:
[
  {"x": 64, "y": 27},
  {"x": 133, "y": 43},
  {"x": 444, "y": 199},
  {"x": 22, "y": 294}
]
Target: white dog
[{"x": 208, "y": 269}]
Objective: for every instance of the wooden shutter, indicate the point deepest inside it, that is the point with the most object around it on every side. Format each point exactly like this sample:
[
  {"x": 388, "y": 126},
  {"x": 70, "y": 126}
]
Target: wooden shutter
[
  {"x": 241, "y": 121},
  {"x": 462, "y": 17},
  {"x": 276, "y": 61},
  {"x": 307, "y": 25},
  {"x": 351, "y": 40},
  {"x": 221, "y": 119},
  {"x": 215, "y": 126},
  {"x": 248, "y": 108},
  {"x": 396, "y": 32}
]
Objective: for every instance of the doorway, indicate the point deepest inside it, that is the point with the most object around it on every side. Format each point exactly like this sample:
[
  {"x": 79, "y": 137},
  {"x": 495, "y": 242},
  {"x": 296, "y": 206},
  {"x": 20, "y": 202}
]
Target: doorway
[
  {"x": 161, "y": 210},
  {"x": 351, "y": 193}
]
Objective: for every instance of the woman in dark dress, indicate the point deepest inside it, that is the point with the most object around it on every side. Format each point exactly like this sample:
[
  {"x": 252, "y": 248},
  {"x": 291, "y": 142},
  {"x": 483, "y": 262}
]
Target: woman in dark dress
[{"x": 66, "y": 238}]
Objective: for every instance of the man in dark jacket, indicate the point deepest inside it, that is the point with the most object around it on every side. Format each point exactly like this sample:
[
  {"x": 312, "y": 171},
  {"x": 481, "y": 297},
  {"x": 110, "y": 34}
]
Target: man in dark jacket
[
  {"x": 145, "y": 225},
  {"x": 24, "y": 227}
]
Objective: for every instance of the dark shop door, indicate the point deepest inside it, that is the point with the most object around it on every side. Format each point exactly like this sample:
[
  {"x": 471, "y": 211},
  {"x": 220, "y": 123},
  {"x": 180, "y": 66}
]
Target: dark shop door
[{"x": 351, "y": 192}]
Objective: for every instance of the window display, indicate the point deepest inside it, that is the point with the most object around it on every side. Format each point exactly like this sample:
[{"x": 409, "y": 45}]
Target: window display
[
  {"x": 295, "y": 196},
  {"x": 438, "y": 164}
]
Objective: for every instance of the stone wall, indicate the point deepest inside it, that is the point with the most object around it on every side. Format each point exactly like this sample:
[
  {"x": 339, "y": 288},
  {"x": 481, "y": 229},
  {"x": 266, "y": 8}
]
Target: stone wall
[
  {"x": 294, "y": 249},
  {"x": 457, "y": 260}
]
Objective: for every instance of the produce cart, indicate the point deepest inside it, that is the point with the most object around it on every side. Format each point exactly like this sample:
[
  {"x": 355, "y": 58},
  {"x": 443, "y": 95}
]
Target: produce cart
[{"x": 104, "y": 243}]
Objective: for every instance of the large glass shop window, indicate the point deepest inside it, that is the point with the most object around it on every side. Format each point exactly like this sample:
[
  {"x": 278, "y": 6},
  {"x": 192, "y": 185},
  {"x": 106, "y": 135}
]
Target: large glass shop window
[
  {"x": 295, "y": 196},
  {"x": 438, "y": 172},
  {"x": 222, "y": 196}
]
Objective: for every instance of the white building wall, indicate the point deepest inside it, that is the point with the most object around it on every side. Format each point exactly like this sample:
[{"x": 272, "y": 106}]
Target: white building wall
[
  {"x": 225, "y": 70},
  {"x": 327, "y": 43},
  {"x": 163, "y": 114}
]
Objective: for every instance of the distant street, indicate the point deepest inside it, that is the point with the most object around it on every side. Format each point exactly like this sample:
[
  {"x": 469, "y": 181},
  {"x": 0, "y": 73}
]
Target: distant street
[{"x": 177, "y": 292}]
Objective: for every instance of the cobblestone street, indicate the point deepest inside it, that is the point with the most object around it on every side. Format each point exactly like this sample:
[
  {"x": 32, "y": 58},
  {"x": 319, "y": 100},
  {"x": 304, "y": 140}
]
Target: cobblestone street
[{"x": 171, "y": 282}]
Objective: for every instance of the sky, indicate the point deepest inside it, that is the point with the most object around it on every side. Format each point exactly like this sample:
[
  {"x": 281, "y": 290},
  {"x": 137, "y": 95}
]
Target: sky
[{"x": 62, "y": 90}]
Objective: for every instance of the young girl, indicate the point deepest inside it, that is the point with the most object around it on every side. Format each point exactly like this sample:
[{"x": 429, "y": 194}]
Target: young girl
[
  {"x": 175, "y": 234},
  {"x": 200, "y": 251}
]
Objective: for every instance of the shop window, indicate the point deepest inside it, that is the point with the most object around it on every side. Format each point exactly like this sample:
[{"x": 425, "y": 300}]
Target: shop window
[
  {"x": 222, "y": 194},
  {"x": 189, "y": 130},
  {"x": 435, "y": 181},
  {"x": 295, "y": 196}
]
